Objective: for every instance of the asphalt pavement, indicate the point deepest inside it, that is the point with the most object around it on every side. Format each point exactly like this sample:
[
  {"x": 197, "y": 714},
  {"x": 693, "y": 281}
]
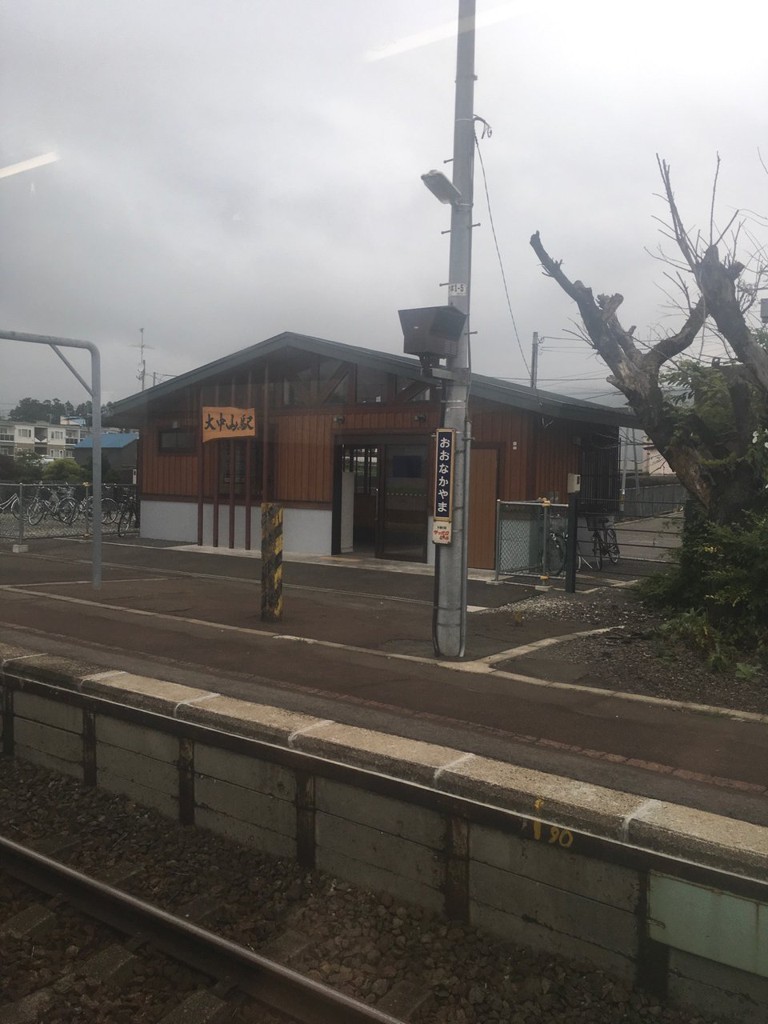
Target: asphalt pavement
[{"x": 354, "y": 645}]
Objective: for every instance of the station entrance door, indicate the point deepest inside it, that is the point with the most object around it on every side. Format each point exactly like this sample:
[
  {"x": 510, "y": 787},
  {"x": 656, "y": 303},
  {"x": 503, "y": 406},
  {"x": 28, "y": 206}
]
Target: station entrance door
[{"x": 381, "y": 500}]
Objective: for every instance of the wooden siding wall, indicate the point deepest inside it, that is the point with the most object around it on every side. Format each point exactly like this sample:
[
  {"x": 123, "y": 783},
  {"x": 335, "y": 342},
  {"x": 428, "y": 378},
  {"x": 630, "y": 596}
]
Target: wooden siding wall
[
  {"x": 558, "y": 454},
  {"x": 304, "y": 449},
  {"x": 510, "y": 429},
  {"x": 167, "y": 473},
  {"x": 303, "y": 458},
  {"x": 535, "y": 452}
]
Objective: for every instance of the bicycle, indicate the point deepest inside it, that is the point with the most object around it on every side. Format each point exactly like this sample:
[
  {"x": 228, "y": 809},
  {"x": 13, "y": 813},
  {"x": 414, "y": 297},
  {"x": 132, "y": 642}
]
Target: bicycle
[
  {"x": 604, "y": 540},
  {"x": 605, "y": 544},
  {"x": 72, "y": 508},
  {"x": 48, "y": 501},
  {"x": 128, "y": 518},
  {"x": 553, "y": 556},
  {"x": 11, "y": 504}
]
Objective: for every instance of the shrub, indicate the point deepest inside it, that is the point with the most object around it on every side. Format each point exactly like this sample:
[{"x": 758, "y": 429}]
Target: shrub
[
  {"x": 63, "y": 469},
  {"x": 718, "y": 588}
]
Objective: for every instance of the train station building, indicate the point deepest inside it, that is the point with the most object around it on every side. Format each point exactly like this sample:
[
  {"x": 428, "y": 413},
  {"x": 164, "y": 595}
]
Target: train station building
[{"x": 343, "y": 438}]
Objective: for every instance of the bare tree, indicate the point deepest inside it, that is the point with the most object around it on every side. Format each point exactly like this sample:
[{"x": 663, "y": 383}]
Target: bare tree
[{"x": 710, "y": 454}]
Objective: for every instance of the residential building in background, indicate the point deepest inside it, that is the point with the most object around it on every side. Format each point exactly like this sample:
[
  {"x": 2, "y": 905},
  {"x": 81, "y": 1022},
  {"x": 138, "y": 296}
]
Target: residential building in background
[
  {"x": 654, "y": 463},
  {"x": 48, "y": 440},
  {"x": 119, "y": 452}
]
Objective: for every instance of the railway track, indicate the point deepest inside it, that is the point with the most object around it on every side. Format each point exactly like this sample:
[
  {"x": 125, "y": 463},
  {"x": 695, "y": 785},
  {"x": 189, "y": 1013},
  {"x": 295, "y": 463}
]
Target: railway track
[{"x": 217, "y": 980}]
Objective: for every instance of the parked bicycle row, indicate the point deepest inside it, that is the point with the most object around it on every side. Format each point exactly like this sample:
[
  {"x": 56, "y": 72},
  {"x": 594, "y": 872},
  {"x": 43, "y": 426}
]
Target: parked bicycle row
[
  {"x": 49, "y": 509},
  {"x": 601, "y": 547}
]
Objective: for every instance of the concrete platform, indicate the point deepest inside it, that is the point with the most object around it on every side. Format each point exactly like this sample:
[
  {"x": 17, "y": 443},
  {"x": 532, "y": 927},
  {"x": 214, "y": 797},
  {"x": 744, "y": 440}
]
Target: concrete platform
[{"x": 354, "y": 648}]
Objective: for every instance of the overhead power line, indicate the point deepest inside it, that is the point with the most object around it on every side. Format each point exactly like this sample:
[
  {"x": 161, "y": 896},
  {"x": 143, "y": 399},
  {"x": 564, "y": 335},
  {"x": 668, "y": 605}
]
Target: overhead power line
[{"x": 487, "y": 131}]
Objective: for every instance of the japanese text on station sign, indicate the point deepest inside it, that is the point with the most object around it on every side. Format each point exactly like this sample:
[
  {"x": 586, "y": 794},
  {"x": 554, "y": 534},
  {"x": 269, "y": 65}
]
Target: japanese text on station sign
[
  {"x": 221, "y": 421},
  {"x": 442, "y": 512}
]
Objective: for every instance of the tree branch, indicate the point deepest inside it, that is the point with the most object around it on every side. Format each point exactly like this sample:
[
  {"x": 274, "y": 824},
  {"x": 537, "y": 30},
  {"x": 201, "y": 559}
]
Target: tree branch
[
  {"x": 717, "y": 282},
  {"x": 673, "y": 345},
  {"x": 635, "y": 373}
]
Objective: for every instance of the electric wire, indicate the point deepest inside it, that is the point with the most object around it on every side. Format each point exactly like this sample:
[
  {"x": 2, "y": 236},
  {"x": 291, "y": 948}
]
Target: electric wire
[{"x": 487, "y": 132}]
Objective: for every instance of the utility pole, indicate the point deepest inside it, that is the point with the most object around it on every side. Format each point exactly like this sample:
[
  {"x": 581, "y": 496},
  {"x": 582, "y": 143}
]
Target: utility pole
[
  {"x": 535, "y": 359},
  {"x": 449, "y": 634}
]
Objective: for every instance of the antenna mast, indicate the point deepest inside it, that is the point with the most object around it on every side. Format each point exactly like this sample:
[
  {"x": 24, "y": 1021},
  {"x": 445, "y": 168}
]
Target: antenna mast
[{"x": 142, "y": 374}]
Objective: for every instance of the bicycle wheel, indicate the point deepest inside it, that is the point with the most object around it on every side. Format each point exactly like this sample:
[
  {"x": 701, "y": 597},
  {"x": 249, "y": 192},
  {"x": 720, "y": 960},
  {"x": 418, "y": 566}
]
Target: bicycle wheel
[
  {"x": 66, "y": 510},
  {"x": 127, "y": 520},
  {"x": 109, "y": 510},
  {"x": 554, "y": 555},
  {"x": 35, "y": 513},
  {"x": 612, "y": 545},
  {"x": 597, "y": 550}
]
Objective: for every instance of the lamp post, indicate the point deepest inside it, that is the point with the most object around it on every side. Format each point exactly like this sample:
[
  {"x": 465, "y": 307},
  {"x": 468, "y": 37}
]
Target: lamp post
[{"x": 450, "y": 612}]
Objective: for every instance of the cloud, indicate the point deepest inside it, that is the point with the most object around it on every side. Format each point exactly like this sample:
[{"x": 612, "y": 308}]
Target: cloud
[{"x": 230, "y": 170}]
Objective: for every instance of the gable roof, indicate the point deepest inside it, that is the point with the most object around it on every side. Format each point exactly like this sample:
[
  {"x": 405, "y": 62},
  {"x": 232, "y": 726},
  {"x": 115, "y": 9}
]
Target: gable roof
[{"x": 492, "y": 389}]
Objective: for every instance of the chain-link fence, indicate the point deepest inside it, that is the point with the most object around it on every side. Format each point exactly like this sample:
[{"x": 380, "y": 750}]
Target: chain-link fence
[
  {"x": 530, "y": 538},
  {"x": 48, "y": 509}
]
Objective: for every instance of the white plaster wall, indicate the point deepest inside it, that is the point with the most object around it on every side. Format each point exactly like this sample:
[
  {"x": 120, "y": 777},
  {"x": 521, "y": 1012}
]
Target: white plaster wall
[
  {"x": 169, "y": 520},
  {"x": 305, "y": 531}
]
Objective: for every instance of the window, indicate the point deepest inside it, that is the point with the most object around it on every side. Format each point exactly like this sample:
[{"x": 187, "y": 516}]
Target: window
[
  {"x": 176, "y": 439},
  {"x": 371, "y": 385},
  {"x": 409, "y": 390},
  {"x": 24, "y": 431},
  {"x": 240, "y": 455},
  {"x": 318, "y": 382}
]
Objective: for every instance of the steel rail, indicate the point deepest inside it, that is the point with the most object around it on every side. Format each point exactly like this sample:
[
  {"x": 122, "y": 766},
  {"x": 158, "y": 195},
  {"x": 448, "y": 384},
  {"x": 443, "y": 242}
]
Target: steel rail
[{"x": 278, "y": 987}]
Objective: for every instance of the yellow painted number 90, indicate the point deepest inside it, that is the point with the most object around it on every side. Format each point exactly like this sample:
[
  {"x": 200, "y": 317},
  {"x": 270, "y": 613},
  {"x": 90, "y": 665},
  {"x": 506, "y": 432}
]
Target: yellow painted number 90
[{"x": 553, "y": 835}]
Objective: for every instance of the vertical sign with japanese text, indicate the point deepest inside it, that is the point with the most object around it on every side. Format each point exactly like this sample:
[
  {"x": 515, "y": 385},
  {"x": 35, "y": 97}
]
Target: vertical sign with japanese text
[
  {"x": 226, "y": 421},
  {"x": 442, "y": 511}
]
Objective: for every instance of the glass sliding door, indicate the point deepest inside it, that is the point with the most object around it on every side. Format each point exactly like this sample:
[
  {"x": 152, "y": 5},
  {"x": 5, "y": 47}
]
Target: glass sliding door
[{"x": 402, "y": 532}]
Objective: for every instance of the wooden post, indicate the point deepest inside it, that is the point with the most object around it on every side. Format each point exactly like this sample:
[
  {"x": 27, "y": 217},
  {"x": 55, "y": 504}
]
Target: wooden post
[{"x": 271, "y": 562}]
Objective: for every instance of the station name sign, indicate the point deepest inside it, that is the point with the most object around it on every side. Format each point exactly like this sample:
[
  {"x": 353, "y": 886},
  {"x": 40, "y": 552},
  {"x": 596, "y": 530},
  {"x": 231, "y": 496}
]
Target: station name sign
[
  {"x": 221, "y": 421},
  {"x": 442, "y": 509}
]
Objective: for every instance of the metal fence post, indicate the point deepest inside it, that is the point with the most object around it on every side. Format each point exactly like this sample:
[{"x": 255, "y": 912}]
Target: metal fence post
[
  {"x": 88, "y": 508},
  {"x": 498, "y": 540},
  {"x": 21, "y": 517},
  {"x": 545, "y": 557},
  {"x": 572, "y": 542}
]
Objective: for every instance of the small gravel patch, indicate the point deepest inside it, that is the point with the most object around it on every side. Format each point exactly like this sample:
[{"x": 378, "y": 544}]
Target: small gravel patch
[{"x": 635, "y": 656}]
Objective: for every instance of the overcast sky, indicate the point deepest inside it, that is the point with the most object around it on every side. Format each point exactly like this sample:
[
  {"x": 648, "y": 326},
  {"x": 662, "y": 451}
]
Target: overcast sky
[{"x": 230, "y": 169}]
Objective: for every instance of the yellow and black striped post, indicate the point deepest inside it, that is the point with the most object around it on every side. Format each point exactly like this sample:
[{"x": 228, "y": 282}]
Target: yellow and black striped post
[{"x": 271, "y": 562}]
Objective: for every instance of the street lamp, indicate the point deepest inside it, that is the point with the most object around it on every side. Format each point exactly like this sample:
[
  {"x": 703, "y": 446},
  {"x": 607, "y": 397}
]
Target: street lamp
[{"x": 441, "y": 187}]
